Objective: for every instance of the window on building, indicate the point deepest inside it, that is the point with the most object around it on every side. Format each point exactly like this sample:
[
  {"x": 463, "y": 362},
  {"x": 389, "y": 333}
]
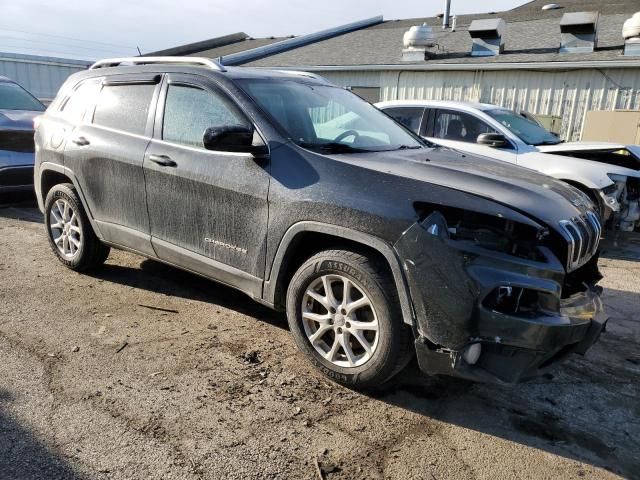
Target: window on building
[
  {"x": 124, "y": 107},
  {"x": 459, "y": 126},
  {"x": 410, "y": 117},
  {"x": 82, "y": 97},
  {"x": 189, "y": 111}
]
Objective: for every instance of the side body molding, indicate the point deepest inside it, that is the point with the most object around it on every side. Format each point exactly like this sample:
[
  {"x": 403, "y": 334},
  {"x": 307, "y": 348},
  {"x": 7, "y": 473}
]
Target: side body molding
[{"x": 385, "y": 249}]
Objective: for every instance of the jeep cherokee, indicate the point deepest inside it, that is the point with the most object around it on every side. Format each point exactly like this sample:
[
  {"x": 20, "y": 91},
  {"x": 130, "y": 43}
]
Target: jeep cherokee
[{"x": 377, "y": 244}]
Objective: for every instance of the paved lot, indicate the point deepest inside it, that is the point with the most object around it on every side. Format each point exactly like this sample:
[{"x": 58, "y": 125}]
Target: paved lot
[{"x": 143, "y": 371}]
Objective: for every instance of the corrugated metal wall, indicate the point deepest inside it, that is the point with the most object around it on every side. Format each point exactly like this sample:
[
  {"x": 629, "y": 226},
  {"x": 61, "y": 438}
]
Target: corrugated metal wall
[
  {"x": 42, "y": 76},
  {"x": 567, "y": 94}
]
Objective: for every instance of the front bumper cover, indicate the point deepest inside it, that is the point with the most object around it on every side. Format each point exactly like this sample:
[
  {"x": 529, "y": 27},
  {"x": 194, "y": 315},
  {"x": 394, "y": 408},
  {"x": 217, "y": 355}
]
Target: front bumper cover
[{"x": 448, "y": 281}]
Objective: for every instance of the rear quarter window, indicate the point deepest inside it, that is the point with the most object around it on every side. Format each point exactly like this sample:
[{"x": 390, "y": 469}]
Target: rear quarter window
[
  {"x": 76, "y": 105},
  {"x": 124, "y": 107},
  {"x": 410, "y": 117}
]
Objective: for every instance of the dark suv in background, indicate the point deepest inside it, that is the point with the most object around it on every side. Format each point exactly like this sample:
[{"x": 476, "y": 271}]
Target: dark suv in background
[
  {"x": 18, "y": 109},
  {"x": 308, "y": 199}
]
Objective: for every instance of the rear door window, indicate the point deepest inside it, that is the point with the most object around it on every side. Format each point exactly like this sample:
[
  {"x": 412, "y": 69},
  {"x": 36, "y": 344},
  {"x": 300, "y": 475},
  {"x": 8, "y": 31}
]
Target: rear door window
[
  {"x": 410, "y": 117},
  {"x": 190, "y": 110},
  {"x": 459, "y": 126},
  {"x": 124, "y": 107}
]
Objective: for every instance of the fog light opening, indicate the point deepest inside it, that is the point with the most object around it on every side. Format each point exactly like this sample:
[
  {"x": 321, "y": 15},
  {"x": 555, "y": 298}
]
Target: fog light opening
[{"x": 471, "y": 354}]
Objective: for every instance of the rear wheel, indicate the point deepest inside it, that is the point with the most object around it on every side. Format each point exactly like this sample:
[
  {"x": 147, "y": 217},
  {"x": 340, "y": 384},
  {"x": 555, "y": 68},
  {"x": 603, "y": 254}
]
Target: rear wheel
[
  {"x": 343, "y": 312},
  {"x": 70, "y": 234}
]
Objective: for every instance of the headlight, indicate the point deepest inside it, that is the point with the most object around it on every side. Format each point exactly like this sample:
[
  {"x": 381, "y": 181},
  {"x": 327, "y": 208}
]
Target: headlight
[{"x": 489, "y": 232}]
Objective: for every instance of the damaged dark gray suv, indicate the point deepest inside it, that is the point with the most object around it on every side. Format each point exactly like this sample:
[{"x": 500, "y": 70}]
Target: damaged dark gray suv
[{"x": 310, "y": 200}]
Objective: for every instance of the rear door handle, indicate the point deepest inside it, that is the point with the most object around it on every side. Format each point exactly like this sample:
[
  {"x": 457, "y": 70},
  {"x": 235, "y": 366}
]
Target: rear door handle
[
  {"x": 162, "y": 160},
  {"x": 80, "y": 141}
]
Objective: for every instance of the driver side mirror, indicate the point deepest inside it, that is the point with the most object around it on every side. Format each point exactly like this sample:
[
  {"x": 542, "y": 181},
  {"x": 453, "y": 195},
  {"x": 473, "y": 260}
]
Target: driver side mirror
[
  {"x": 233, "y": 138},
  {"x": 494, "y": 140}
]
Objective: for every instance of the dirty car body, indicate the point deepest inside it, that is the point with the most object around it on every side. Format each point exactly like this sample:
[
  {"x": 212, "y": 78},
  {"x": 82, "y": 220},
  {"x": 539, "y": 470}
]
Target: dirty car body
[
  {"x": 18, "y": 108},
  {"x": 495, "y": 266}
]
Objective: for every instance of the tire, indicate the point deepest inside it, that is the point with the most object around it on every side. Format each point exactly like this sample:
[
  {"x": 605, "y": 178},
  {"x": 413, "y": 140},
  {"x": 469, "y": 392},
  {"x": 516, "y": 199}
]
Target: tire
[
  {"x": 390, "y": 345},
  {"x": 81, "y": 250}
]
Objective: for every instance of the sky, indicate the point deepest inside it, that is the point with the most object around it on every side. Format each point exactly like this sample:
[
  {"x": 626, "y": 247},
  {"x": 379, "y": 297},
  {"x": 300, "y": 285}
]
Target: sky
[{"x": 90, "y": 29}]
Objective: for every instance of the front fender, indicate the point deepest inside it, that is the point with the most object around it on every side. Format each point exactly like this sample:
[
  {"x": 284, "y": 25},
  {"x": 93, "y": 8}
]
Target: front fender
[{"x": 382, "y": 247}]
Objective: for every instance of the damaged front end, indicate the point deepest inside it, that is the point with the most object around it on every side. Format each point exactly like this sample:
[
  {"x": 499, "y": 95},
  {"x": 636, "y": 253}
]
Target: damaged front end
[
  {"x": 491, "y": 292},
  {"x": 622, "y": 203}
]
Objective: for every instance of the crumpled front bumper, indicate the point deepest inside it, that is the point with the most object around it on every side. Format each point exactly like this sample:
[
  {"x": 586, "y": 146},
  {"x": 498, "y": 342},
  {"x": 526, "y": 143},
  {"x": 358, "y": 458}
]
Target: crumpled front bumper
[{"x": 448, "y": 282}]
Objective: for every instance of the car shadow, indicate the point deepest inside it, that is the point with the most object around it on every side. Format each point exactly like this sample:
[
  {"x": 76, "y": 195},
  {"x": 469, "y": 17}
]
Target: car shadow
[
  {"x": 586, "y": 410},
  {"x": 158, "y": 277},
  {"x": 20, "y": 207},
  {"x": 621, "y": 246},
  {"x": 22, "y": 455}
]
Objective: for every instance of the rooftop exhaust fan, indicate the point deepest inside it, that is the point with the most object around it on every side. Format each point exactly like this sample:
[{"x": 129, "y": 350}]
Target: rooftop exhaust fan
[
  {"x": 578, "y": 32},
  {"x": 631, "y": 34},
  {"x": 487, "y": 36}
]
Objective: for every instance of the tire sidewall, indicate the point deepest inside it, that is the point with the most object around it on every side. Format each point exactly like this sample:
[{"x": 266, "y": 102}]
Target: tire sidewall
[
  {"x": 65, "y": 193},
  {"x": 378, "y": 366}
]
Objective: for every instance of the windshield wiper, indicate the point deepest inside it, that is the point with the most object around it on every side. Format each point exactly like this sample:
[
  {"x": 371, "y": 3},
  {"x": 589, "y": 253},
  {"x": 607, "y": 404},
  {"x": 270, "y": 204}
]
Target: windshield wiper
[
  {"x": 408, "y": 147},
  {"x": 549, "y": 142},
  {"x": 332, "y": 147}
]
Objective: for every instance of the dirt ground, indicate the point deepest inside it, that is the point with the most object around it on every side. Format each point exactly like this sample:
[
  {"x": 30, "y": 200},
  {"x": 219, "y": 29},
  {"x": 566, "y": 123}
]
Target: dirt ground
[{"x": 143, "y": 371}]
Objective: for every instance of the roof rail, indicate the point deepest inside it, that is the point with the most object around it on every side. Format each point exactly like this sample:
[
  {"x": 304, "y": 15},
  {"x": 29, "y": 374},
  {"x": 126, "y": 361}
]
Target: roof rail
[
  {"x": 304, "y": 74},
  {"x": 113, "y": 62}
]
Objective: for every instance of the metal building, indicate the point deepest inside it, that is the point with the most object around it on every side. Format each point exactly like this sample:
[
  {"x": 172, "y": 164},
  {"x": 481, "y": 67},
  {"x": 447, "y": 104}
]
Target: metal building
[
  {"x": 558, "y": 60},
  {"x": 42, "y": 76}
]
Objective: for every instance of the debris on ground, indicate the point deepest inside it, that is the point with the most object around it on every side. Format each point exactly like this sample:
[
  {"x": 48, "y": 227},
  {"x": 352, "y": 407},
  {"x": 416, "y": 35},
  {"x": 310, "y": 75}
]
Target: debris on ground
[
  {"x": 160, "y": 309},
  {"x": 252, "y": 357},
  {"x": 122, "y": 347}
]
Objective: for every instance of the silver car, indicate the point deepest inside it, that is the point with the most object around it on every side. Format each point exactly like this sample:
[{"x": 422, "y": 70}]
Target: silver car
[{"x": 18, "y": 109}]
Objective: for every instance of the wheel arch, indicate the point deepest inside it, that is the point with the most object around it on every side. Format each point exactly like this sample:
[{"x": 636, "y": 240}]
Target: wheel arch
[
  {"x": 304, "y": 239},
  {"x": 51, "y": 174}
]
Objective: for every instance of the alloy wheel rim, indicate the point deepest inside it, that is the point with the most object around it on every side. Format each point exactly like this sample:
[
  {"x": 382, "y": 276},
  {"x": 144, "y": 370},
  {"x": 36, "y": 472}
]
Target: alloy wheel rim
[
  {"x": 65, "y": 229},
  {"x": 340, "y": 321}
]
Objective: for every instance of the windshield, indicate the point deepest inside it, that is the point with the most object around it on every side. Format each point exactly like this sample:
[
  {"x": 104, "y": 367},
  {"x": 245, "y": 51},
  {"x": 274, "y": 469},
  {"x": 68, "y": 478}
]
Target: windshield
[
  {"x": 14, "y": 97},
  {"x": 328, "y": 119},
  {"x": 527, "y": 130}
]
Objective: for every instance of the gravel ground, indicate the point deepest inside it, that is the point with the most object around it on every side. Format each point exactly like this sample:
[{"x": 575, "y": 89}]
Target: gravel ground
[{"x": 140, "y": 370}]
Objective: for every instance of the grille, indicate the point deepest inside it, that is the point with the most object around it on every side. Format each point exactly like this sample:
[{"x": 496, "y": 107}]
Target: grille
[{"x": 583, "y": 235}]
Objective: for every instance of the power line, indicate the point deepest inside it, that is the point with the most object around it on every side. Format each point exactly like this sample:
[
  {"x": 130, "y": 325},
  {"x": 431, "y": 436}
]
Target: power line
[
  {"x": 65, "y": 38},
  {"x": 59, "y": 44}
]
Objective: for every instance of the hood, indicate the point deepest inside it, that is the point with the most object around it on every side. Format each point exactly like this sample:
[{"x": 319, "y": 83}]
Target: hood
[
  {"x": 600, "y": 153},
  {"x": 577, "y": 146},
  {"x": 17, "y": 119},
  {"x": 527, "y": 191}
]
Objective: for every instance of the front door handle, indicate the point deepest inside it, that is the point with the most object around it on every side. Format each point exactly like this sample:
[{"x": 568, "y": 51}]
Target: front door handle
[
  {"x": 162, "y": 160},
  {"x": 80, "y": 141}
]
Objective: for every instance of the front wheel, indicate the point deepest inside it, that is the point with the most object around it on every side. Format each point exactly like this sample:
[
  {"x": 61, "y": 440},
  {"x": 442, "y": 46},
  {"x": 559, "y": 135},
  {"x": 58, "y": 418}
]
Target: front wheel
[
  {"x": 343, "y": 312},
  {"x": 69, "y": 231}
]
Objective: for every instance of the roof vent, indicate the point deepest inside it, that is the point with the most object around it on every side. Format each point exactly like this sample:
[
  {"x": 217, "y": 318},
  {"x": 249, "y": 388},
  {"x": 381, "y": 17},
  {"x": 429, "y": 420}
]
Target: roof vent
[
  {"x": 631, "y": 34},
  {"x": 551, "y": 6},
  {"x": 578, "y": 32},
  {"x": 487, "y": 37},
  {"x": 416, "y": 41}
]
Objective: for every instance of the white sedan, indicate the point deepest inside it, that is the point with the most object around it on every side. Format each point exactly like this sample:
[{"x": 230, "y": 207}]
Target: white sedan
[{"x": 608, "y": 173}]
